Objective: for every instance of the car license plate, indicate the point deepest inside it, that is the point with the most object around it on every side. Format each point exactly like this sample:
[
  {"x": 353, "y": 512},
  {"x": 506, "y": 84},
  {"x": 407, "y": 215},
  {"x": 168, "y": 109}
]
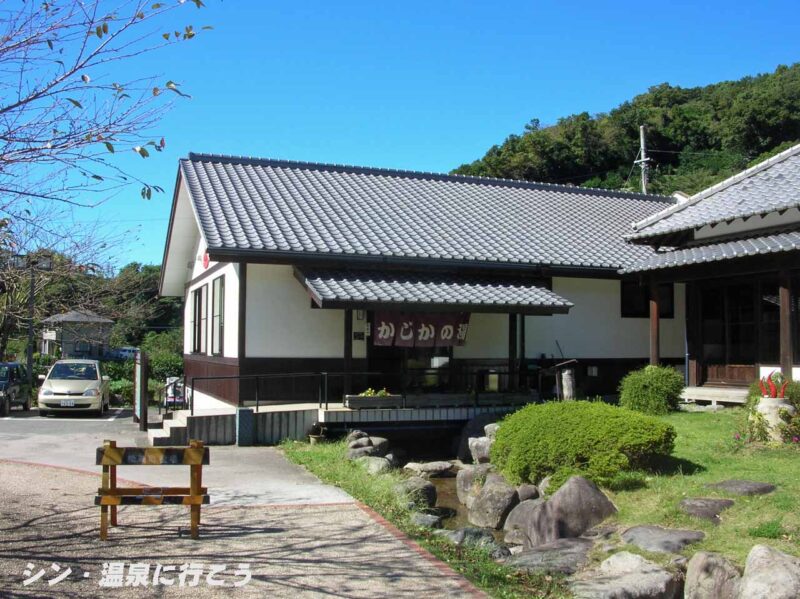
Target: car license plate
[{"x": 67, "y": 403}]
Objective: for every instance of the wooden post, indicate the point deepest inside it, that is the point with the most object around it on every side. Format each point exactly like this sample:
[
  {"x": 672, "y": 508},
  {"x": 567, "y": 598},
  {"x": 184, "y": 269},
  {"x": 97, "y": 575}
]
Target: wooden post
[
  {"x": 512, "y": 352},
  {"x": 113, "y": 482},
  {"x": 195, "y": 490},
  {"x": 348, "y": 350},
  {"x": 655, "y": 356},
  {"x": 785, "y": 295},
  {"x": 104, "y": 484}
]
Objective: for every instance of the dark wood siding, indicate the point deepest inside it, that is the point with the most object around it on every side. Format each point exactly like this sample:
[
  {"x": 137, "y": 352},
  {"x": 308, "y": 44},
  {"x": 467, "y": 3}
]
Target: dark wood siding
[{"x": 196, "y": 365}]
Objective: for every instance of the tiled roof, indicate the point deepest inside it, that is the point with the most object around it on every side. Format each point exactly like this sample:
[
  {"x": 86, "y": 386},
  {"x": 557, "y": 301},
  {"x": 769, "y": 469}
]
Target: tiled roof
[
  {"x": 78, "y": 316},
  {"x": 344, "y": 287},
  {"x": 279, "y": 207},
  {"x": 771, "y": 186},
  {"x": 715, "y": 252}
]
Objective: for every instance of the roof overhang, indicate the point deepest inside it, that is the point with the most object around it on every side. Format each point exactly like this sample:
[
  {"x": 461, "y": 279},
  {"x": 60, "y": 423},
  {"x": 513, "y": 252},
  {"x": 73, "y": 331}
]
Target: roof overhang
[{"x": 431, "y": 292}]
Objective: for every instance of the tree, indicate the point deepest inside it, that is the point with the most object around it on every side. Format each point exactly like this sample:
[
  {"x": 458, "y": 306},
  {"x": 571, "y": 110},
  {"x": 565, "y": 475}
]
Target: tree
[{"x": 66, "y": 107}]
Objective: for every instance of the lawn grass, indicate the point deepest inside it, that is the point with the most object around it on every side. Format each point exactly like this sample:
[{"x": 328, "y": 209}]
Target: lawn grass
[
  {"x": 708, "y": 440},
  {"x": 327, "y": 461}
]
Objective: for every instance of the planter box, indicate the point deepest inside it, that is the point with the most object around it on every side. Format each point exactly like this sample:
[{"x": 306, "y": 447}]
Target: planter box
[{"x": 363, "y": 402}]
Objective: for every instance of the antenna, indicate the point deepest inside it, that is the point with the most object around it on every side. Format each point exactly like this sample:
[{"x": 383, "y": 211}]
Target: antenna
[{"x": 644, "y": 161}]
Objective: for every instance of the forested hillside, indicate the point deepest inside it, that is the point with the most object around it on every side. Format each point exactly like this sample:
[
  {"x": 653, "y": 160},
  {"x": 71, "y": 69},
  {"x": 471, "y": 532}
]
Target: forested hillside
[{"x": 695, "y": 136}]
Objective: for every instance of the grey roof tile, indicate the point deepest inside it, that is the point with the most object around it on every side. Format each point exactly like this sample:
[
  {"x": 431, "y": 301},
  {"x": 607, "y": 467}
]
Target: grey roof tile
[
  {"x": 772, "y": 185},
  {"x": 432, "y": 289},
  {"x": 273, "y": 205},
  {"x": 768, "y": 244},
  {"x": 77, "y": 316}
]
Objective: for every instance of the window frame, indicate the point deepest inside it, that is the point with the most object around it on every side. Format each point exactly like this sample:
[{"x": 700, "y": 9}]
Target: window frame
[
  {"x": 200, "y": 319},
  {"x": 218, "y": 316},
  {"x": 666, "y": 304}
]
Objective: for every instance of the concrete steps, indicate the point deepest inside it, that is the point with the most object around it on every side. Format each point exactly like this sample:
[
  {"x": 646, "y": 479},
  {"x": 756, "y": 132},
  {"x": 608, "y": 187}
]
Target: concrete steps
[
  {"x": 715, "y": 395},
  {"x": 174, "y": 431}
]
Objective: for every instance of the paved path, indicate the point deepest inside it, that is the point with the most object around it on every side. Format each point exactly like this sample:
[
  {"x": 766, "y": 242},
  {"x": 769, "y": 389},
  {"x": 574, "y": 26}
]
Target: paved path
[{"x": 300, "y": 538}]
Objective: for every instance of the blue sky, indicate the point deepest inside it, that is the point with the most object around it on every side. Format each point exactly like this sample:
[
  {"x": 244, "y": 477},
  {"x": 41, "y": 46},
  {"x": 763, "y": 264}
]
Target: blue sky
[{"x": 423, "y": 85}]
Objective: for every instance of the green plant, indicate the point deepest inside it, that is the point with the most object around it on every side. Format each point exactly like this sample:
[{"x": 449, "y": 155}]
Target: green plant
[
  {"x": 592, "y": 439},
  {"x": 165, "y": 364},
  {"x": 123, "y": 388},
  {"x": 116, "y": 370},
  {"x": 370, "y": 392},
  {"x": 652, "y": 390},
  {"x": 772, "y": 529}
]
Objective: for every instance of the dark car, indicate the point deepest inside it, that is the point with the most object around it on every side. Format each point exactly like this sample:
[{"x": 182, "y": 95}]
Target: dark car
[{"x": 14, "y": 388}]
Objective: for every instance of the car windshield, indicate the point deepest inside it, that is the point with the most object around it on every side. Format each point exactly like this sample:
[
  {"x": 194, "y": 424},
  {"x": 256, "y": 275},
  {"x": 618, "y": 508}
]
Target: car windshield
[
  {"x": 4, "y": 370},
  {"x": 76, "y": 371}
]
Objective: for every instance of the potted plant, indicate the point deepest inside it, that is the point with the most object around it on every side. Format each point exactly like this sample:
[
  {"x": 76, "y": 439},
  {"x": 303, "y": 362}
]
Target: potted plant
[
  {"x": 772, "y": 404},
  {"x": 370, "y": 398},
  {"x": 316, "y": 434}
]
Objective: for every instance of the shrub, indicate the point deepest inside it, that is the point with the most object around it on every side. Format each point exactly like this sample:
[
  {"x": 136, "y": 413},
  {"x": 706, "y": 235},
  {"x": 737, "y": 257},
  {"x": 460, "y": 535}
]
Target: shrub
[
  {"x": 165, "y": 364},
  {"x": 123, "y": 388},
  {"x": 592, "y": 439},
  {"x": 116, "y": 370},
  {"x": 652, "y": 390}
]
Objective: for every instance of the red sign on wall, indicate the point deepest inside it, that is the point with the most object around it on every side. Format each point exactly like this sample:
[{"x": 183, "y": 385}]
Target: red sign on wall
[{"x": 408, "y": 329}]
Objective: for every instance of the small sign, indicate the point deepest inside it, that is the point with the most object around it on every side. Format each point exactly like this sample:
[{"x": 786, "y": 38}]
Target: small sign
[
  {"x": 206, "y": 260},
  {"x": 48, "y": 335}
]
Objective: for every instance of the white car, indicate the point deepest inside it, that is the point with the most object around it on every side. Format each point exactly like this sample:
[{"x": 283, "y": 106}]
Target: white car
[{"x": 74, "y": 386}]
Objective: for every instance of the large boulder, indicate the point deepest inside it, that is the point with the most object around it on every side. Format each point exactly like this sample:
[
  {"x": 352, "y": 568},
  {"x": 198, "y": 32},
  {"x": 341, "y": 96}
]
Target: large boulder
[
  {"x": 356, "y": 434},
  {"x": 526, "y": 491},
  {"x": 495, "y": 501},
  {"x": 381, "y": 445},
  {"x": 360, "y": 442},
  {"x": 661, "y": 540},
  {"x": 626, "y": 576},
  {"x": 419, "y": 491},
  {"x": 430, "y": 469},
  {"x": 711, "y": 576},
  {"x": 564, "y": 556},
  {"x": 473, "y": 428},
  {"x": 572, "y": 510},
  {"x": 374, "y": 464},
  {"x": 476, "y": 537},
  {"x": 360, "y": 452},
  {"x": 479, "y": 449},
  {"x": 517, "y": 521},
  {"x": 426, "y": 520},
  {"x": 770, "y": 574},
  {"x": 469, "y": 482}
]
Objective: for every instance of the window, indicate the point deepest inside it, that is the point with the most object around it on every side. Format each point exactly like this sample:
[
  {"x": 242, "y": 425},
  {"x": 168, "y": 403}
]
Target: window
[
  {"x": 635, "y": 300},
  {"x": 217, "y": 315},
  {"x": 199, "y": 316}
]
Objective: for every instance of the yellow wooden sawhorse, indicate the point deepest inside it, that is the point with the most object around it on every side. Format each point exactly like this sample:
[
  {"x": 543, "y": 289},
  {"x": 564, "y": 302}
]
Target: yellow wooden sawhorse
[{"x": 109, "y": 495}]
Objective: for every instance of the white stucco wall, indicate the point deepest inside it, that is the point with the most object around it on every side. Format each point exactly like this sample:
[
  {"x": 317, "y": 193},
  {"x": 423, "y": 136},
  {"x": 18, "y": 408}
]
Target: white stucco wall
[
  {"x": 593, "y": 328},
  {"x": 230, "y": 345},
  {"x": 765, "y": 370},
  {"x": 282, "y": 324}
]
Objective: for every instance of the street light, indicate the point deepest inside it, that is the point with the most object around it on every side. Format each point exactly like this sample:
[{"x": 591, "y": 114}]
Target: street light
[{"x": 33, "y": 262}]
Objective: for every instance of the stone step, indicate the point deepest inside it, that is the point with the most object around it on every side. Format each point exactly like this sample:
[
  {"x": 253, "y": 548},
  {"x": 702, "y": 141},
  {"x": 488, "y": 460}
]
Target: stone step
[{"x": 715, "y": 395}]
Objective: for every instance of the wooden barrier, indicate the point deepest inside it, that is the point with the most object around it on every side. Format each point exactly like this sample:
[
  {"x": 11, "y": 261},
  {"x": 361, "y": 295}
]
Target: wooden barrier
[{"x": 110, "y": 495}]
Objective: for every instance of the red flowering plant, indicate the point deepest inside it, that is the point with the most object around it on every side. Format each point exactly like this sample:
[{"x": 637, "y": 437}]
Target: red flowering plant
[{"x": 769, "y": 385}]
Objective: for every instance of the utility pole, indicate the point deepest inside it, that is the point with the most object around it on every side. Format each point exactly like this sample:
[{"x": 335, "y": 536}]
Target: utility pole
[{"x": 644, "y": 161}]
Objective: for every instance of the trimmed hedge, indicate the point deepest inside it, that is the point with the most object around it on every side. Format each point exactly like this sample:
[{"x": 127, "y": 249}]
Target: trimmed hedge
[
  {"x": 652, "y": 390},
  {"x": 591, "y": 439}
]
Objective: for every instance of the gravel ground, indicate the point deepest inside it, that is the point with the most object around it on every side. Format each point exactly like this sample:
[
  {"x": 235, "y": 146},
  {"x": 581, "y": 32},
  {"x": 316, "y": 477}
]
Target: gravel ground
[{"x": 47, "y": 517}]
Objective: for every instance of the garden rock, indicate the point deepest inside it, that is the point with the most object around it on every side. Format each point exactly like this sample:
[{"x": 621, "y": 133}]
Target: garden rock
[
  {"x": 430, "y": 469},
  {"x": 572, "y": 510},
  {"x": 353, "y": 435},
  {"x": 494, "y": 502},
  {"x": 374, "y": 464},
  {"x": 396, "y": 456},
  {"x": 380, "y": 444},
  {"x": 360, "y": 442},
  {"x": 661, "y": 540},
  {"x": 476, "y": 537},
  {"x": 625, "y": 575},
  {"x": 526, "y": 492},
  {"x": 743, "y": 487},
  {"x": 490, "y": 430},
  {"x": 770, "y": 574},
  {"x": 473, "y": 428},
  {"x": 418, "y": 490},
  {"x": 711, "y": 576},
  {"x": 479, "y": 449},
  {"x": 469, "y": 482},
  {"x": 517, "y": 519},
  {"x": 360, "y": 452},
  {"x": 564, "y": 556},
  {"x": 706, "y": 508},
  {"x": 426, "y": 520}
]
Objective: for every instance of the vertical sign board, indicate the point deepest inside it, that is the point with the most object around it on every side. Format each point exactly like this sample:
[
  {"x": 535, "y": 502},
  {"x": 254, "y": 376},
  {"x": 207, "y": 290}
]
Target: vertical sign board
[{"x": 140, "y": 390}]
